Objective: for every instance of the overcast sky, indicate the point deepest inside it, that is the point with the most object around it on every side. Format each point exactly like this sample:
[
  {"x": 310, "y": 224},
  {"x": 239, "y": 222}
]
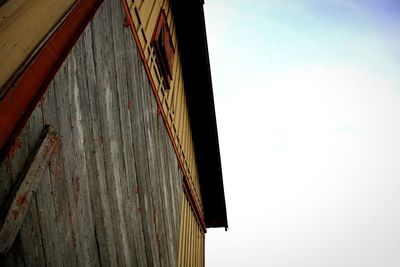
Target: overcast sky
[{"x": 307, "y": 96}]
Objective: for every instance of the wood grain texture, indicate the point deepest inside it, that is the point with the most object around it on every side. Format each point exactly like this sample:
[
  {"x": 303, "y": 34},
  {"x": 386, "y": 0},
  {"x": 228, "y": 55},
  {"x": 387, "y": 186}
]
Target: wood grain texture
[
  {"x": 21, "y": 197},
  {"x": 31, "y": 230},
  {"x": 191, "y": 249},
  {"x": 111, "y": 195},
  {"x": 173, "y": 101}
]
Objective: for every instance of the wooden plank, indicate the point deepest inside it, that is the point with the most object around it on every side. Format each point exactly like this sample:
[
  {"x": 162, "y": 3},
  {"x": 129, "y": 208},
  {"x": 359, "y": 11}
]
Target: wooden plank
[
  {"x": 123, "y": 41},
  {"x": 170, "y": 191},
  {"x": 14, "y": 163},
  {"x": 150, "y": 114},
  {"x": 9, "y": 170},
  {"x": 58, "y": 183},
  {"x": 78, "y": 107},
  {"x": 164, "y": 219},
  {"x": 22, "y": 196},
  {"x": 66, "y": 166},
  {"x": 116, "y": 145},
  {"x": 86, "y": 148},
  {"x": 100, "y": 200},
  {"x": 48, "y": 229},
  {"x": 73, "y": 166},
  {"x": 151, "y": 19},
  {"x": 31, "y": 230},
  {"x": 156, "y": 165},
  {"x": 132, "y": 178},
  {"x": 173, "y": 191},
  {"x": 150, "y": 120},
  {"x": 69, "y": 85},
  {"x": 136, "y": 80},
  {"x": 106, "y": 93},
  {"x": 83, "y": 244},
  {"x": 145, "y": 13},
  {"x": 30, "y": 250}
]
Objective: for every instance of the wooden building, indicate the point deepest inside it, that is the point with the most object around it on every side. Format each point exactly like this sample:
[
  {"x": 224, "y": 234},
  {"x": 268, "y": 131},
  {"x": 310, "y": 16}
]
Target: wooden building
[{"x": 109, "y": 149}]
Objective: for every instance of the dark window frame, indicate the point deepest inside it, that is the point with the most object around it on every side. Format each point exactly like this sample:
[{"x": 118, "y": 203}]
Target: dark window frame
[{"x": 164, "y": 49}]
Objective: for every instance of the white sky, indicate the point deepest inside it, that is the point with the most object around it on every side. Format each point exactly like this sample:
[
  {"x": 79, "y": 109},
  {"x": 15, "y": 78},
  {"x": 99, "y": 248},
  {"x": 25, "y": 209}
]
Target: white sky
[{"x": 307, "y": 97}]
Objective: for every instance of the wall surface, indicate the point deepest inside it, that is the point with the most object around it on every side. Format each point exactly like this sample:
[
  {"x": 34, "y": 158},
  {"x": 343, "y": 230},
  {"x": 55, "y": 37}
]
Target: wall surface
[
  {"x": 191, "y": 238},
  {"x": 144, "y": 15},
  {"x": 111, "y": 195}
]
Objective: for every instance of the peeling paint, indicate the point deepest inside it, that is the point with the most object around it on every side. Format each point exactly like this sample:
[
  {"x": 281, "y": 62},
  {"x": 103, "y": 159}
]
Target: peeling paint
[
  {"x": 15, "y": 147},
  {"x": 22, "y": 199},
  {"x": 75, "y": 183}
]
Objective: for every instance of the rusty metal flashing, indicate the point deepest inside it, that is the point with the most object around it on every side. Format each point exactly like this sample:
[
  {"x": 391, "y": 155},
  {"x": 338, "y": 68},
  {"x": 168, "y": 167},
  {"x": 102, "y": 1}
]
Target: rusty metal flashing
[{"x": 25, "y": 90}]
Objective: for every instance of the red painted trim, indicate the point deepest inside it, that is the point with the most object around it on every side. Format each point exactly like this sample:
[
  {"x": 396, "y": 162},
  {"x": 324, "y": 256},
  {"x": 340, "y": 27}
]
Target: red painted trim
[
  {"x": 24, "y": 93},
  {"x": 186, "y": 183},
  {"x": 192, "y": 201}
]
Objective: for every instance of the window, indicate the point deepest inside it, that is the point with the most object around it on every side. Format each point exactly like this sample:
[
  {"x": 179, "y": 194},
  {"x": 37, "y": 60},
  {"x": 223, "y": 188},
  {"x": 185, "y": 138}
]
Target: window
[{"x": 164, "y": 49}]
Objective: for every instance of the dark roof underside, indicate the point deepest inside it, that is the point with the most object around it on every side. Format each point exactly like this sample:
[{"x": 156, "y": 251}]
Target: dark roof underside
[{"x": 190, "y": 25}]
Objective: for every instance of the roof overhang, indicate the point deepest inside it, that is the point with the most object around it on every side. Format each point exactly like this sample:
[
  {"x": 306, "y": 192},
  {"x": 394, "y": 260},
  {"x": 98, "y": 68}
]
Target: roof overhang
[{"x": 192, "y": 42}]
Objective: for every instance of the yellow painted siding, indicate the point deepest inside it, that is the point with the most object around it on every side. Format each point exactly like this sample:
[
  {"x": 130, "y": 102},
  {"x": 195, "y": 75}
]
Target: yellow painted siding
[
  {"x": 191, "y": 239},
  {"x": 144, "y": 16},
  {"x": 23, "y": 26}
]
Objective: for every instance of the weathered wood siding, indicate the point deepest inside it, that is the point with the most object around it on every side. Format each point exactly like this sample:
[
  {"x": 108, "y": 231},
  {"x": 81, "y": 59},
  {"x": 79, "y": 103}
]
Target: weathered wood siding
[
  {"x": 144, "y": 15},
  {"x": 111, "y": 194},
  {"x": 23, "y": 25},
  {"x": 191, "y": 240}
]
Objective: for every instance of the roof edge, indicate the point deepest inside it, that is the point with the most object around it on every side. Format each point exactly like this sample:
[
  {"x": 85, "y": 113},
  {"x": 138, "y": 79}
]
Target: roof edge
[{"x": 192, "y": 42}]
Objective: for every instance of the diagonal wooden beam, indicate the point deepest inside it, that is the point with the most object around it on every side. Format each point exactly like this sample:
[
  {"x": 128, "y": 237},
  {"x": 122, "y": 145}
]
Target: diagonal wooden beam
[{"x": 17, "y": 204}]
